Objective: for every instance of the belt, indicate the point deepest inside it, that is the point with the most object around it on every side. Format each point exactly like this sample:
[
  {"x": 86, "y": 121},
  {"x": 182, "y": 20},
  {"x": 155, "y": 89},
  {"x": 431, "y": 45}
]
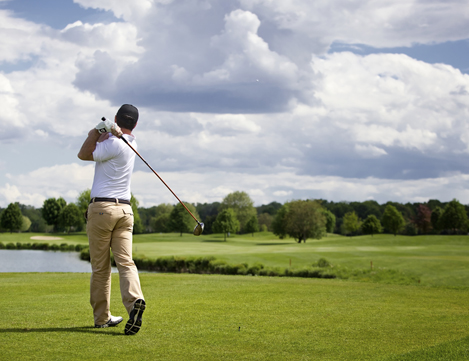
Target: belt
[{"x": 113, "y": 200}]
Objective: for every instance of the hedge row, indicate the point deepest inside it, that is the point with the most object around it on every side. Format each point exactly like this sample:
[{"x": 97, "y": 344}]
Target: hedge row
[
  {"x": 210, "y": 265},
  {"x": 64, "y": 247}
]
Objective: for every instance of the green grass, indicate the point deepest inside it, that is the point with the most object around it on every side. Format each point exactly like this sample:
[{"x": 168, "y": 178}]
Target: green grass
[
  {"x": 200, "y": 317},
  {"x": 46, "y": 316},
  {"x": 435, "y": 260}
]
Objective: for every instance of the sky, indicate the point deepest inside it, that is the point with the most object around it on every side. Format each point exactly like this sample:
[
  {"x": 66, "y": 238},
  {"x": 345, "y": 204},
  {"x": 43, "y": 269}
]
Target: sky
[{"x": 343, "y": 100}]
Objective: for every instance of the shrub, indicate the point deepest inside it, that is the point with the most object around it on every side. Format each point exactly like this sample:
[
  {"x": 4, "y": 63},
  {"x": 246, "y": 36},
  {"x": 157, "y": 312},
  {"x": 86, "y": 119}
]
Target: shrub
[
  {"x": 11, "y": 246},
  {"x": 85, "y": 254},
  {"x": 2, "y": 246},
  {"x": 255, "y": 268},
  {"x": 322, "y": 262},
  {"x": 40, "y": 246},
  {"x": 80, "y": 247}
]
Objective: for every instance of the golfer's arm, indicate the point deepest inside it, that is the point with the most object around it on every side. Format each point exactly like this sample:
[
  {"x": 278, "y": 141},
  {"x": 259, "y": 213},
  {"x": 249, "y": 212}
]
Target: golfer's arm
[{"x": 88, "y": 147}]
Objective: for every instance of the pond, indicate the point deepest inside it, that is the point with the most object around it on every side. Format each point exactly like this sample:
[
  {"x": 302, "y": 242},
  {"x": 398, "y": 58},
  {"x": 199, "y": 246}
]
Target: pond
[{"x": 43, "y": 261}]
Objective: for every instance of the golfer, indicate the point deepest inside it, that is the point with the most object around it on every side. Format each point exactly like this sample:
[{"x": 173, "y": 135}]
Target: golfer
[{"x": 110, "y": 219}]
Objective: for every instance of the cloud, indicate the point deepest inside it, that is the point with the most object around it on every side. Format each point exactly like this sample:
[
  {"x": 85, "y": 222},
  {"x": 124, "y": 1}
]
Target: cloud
[
  {"x": 380, "y": 24},
  {"x": 239, "y": 95},
  {"x": 232, "y": 71},
  {"x": 31, "y": 188}
]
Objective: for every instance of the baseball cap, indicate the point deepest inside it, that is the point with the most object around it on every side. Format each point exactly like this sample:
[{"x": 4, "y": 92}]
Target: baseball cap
[{"x": 127, "y": 111}]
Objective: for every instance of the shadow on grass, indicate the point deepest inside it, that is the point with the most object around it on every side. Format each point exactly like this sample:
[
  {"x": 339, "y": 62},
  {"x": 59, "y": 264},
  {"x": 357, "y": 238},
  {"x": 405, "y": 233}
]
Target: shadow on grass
[
  {"x": 272, "y": 244},
  {"x": 82, "y": 329},
  {"x": 214, "y": 240}
]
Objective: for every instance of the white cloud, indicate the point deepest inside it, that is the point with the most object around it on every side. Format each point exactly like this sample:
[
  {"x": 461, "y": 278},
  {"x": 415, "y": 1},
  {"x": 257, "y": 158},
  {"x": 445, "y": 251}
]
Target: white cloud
[
  {"x": 369, "y": 151},
  {"x": 388, "y": 23},
  {"x": 33, "y": 187},
  {"x": 69, "y": 180},
  {"x": 128, "y": 10},
  {"x": 393, "y": 100},
  {"x": 19, "y": 39},
  {"x": 252, "y": 101}
]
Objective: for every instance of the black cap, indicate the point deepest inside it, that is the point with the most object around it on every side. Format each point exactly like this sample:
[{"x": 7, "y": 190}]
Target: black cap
[{"x": 127, "y": 112}]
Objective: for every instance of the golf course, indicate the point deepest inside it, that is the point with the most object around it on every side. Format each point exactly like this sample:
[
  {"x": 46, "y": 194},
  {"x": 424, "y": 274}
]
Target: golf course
[{"x": 395, "y": 298}]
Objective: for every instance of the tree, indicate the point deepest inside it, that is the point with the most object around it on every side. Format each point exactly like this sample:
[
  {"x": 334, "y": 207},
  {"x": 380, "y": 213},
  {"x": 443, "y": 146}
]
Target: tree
[
  {"x": 226, "y": 222},
  {"x": 242, "y": 205},
  {"x": 423, "y": 219},
  {"x": 11, "y": 218},
  {"x": 454, "y": 216},
  {"x": 330, "y": 220},
  {"x": 265, "y": 219},
  {"x": 270, "y": 208},
  {"x": 26, "y": 224},
  {"x": 38, "y": 224},
  {"x": 51, "y": 211},
  {"x": 138, "y": 225},
  {"x": 392, "y": 219},
  {"x": 180, "y": 220},
  {"x": 279, "y": 223},
  {"x": 161, "y": 217},
  {"x": 371, "y": 225},
  {"x": 435, "y": 218},
  {"x": 83, "y": 200},
  {"x": 300, "y": 220},
  {"x": 71, "y": 216},
  {"x": 351, "y": 223},
  {"x": 252, "y": 225},
  {"x": 162, "y": 223}
]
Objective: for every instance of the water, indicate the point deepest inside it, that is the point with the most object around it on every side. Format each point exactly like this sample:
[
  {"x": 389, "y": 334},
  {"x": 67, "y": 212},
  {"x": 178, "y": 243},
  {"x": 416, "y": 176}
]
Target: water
[{"x": 43, "y": 261}]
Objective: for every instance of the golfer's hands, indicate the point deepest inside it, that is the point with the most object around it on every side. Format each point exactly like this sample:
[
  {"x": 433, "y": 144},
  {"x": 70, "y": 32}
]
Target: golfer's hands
[
  {"x": 116, "y": 130},
  {"x": 104, "y": 126}
]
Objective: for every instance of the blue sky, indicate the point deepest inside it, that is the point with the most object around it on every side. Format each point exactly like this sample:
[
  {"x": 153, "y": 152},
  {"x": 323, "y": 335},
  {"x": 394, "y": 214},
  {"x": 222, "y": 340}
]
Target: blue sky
[
  {"x": 340, "y": 100},
  {"x": 56, "y": 13}
]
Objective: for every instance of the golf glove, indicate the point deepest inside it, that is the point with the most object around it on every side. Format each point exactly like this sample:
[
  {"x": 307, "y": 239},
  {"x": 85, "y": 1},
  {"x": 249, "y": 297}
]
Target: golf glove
[{"x": 105, "y": 126}]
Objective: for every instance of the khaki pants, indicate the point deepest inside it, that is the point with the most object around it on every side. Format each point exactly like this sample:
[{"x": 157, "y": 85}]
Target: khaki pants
[{"x": 110, "y": 226}]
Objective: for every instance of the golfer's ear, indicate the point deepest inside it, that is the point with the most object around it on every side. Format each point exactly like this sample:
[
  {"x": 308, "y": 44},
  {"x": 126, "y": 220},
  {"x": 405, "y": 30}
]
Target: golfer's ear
[{"x": 115, "y": 119}]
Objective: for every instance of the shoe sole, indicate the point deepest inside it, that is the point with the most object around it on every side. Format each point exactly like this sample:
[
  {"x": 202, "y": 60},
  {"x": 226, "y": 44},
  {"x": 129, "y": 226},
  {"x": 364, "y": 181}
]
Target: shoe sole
[{"x": 134, "y": 323}]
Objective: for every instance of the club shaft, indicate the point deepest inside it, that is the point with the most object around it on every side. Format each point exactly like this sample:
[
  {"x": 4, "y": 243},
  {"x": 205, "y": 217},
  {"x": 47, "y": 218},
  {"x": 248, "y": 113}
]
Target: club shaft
[{"x": 161, "y": 179}]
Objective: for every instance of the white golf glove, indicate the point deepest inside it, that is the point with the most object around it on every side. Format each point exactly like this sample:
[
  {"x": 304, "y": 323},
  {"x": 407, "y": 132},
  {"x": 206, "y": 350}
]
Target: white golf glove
[{"x": 105, "y": 126}]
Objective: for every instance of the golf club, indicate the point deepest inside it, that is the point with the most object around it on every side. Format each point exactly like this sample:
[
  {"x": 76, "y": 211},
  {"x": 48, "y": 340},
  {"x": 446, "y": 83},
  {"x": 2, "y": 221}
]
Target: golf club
[{"x": 199, "y": 228}]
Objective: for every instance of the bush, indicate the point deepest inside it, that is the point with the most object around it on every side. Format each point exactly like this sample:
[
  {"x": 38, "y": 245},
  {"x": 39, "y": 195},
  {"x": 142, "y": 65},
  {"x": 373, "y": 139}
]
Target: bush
[
  {"x": 80, "y": 247},
  {"x": 11, "y": 246},
  {"x": 322, "y": 262},
  {"x": 2, "y": 246},
  {"x": 85, "y": 255}
]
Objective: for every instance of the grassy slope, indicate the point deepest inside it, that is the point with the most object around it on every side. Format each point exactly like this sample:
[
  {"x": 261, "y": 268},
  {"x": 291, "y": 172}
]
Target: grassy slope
[
  {"x": 436, "y": 260},
  {"x": 47, "y": 316},
  {"x": 195, "y": 317}
]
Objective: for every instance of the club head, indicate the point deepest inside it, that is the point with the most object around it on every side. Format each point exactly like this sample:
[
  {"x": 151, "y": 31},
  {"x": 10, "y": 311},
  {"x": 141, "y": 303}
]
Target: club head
[{"x": 199, "y": 228}]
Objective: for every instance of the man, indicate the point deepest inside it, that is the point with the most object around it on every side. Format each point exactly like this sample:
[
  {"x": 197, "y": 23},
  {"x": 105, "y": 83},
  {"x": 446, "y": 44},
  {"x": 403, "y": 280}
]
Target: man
[{"x": 110, "y": 219}]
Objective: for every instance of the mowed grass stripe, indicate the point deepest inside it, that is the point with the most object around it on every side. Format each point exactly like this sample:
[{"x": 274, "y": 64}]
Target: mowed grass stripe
[{"x": 208, "y": 317}]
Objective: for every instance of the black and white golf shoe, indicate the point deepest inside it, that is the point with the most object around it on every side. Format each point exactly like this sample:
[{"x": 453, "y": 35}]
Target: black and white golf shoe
[
  {"x": 135, "y": 320},
  {"x": 113, "y": 321}
]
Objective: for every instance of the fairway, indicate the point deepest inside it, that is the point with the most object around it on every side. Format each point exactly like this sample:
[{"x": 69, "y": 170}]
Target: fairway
[
  {"x": 46, "y": 316},
  {"x": 202, "y": 317}
]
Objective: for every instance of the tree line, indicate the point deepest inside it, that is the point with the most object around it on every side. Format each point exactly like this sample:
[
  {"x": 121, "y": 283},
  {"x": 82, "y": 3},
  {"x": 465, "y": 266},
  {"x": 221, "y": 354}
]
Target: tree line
[{"x": 299, "y": 219}]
